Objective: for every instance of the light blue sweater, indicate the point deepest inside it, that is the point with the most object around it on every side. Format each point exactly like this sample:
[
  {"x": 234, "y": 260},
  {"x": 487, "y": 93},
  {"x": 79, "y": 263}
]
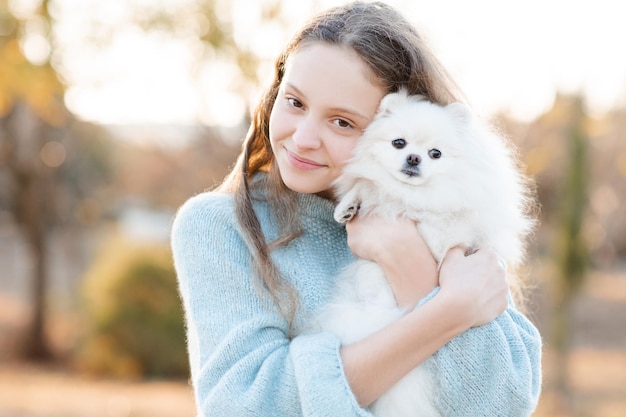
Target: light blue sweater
[{"x": 244, "y": 365}]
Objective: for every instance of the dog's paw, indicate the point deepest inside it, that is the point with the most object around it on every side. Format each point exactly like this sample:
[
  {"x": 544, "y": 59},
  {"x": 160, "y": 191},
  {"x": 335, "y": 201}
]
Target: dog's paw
[{"x": 343, "y": 214}]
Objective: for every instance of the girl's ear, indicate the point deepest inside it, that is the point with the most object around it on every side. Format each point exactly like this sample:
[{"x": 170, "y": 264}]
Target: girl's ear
[{"x": 460, "y": 111}]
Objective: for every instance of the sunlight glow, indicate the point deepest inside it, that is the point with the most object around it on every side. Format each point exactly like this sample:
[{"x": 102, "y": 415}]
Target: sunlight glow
[
  {"x": 138, "y": 79},
  {"x": 23, "y": 9},
  {"x": 506, "y": 56}
]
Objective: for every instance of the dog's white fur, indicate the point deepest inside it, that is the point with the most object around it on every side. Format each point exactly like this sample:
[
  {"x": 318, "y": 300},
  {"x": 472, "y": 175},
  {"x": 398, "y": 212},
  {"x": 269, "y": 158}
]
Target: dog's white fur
[{"x": 472, "y": 195}]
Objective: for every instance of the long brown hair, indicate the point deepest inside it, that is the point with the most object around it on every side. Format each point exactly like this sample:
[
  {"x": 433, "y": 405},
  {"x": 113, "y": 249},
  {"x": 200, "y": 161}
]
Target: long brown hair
[{"x": 397, "y": 56}]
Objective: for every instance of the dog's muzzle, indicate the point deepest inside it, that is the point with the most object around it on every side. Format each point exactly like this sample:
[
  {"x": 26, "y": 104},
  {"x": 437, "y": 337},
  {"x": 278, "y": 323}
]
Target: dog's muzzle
[{"x": 411, "y": 171}]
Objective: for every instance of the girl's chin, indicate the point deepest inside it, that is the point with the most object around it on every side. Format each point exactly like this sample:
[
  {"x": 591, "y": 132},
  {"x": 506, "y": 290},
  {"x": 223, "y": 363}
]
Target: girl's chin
[{"x": 307, "y": 182}]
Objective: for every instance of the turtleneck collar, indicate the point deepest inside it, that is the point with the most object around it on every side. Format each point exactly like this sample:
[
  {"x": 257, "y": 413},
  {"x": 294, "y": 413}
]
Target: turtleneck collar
[{"x": 314, "y": 206}]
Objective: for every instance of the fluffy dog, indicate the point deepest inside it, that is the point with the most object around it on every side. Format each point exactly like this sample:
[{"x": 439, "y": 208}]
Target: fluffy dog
[{"x": 458, "y": 179}]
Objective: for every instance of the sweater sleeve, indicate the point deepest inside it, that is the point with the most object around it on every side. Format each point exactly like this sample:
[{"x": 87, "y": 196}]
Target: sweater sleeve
[
  {"x": 242, "y": 362},
  {"x": 491, "y": 370}
]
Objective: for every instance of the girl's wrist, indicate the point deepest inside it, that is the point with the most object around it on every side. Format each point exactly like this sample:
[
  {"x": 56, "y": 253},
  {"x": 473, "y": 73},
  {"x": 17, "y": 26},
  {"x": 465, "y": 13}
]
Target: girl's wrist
[
  {"x": 411, "y": 278},
  {"x": 457, "y": 307}
]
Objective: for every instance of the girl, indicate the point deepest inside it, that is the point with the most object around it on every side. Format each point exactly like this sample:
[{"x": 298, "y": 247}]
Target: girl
[{"x": 257, "y": 257}]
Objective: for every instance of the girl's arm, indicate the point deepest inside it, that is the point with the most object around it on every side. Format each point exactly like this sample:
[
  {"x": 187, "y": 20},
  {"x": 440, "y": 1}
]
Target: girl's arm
[
  {"x": 492, "y": 370},
  {"x": 484, "y": 366},
  {"x": 377, "y": 362}
]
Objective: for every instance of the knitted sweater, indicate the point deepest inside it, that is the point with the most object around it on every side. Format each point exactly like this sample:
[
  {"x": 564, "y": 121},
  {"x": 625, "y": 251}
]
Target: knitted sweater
[{"x": 243, "y": 363}]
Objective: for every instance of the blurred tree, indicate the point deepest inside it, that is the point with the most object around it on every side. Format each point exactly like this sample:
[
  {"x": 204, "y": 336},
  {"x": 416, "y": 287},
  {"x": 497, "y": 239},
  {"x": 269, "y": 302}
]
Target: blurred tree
[
  {"x": 134, "y": 322},
  {"x": 42, "y": 161},
  {"x": 579, "y": 162},
  {"x": 571, "y": 247},
  {"x": 30, "y": 103}
]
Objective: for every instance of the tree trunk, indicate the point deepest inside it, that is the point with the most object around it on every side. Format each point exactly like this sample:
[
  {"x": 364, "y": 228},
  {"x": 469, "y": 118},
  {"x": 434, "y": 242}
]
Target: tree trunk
[
  {"x": 24, "y": 134},
  {"x": 30, "y": 195}
]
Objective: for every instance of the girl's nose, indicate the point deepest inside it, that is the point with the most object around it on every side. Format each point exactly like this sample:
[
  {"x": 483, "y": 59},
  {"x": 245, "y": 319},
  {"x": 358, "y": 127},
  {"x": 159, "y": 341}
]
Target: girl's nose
[{"x": 306, "y": 134}]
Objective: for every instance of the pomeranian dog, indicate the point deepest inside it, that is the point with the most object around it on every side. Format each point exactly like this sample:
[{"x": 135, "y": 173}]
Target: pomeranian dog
[{"x": 459, "y": 180}]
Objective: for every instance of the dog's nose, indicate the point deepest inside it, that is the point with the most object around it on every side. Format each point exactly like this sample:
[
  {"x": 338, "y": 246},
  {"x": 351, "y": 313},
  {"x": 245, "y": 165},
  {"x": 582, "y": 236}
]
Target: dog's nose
[{"x": 413, "y": 159}]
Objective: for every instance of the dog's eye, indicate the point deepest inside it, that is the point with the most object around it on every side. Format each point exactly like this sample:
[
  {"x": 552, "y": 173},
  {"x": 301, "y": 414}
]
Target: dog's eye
[
  {"x": 398, "y": 143},
  {"x": 434, "y": 153}
]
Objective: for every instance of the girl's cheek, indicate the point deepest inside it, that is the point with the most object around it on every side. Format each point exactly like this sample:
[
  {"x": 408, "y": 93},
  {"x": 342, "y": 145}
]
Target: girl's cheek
[
  {"x": 347, "y": 154},
  {"x": 275, "y": 126},
  {"x": 279, "y": 120}
]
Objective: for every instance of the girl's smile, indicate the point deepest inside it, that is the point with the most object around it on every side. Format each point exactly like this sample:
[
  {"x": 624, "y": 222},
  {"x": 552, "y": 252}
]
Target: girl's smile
[{"x": 302, "y": 163}]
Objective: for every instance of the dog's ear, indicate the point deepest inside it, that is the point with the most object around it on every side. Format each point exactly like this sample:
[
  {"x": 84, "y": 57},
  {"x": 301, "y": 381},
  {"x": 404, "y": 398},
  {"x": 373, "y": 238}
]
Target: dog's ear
[
  {"x": 389, "y": 102},
  {"x": 461, "y": 111},
  {"x": 392, "y": 100}
]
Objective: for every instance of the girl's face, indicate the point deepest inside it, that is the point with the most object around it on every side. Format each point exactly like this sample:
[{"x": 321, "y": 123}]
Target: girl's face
[{"x": 326, "y": 98}]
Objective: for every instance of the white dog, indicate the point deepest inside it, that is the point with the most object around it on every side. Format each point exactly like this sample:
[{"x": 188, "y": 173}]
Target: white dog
[{"x": 439, "y": 166}]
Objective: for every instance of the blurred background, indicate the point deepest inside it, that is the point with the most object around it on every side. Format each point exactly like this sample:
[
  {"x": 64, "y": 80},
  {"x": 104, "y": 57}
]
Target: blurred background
[{"x": 113, "y": 113}]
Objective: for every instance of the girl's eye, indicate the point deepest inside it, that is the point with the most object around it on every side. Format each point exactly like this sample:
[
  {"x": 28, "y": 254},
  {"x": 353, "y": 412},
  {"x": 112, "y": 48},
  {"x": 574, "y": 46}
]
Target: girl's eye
[
  {"x": 294, "y": 102},
  {"x": 343, "y": 123},
  {"x": 434, "y": 153},
  {"x": 398, "y": 143}
]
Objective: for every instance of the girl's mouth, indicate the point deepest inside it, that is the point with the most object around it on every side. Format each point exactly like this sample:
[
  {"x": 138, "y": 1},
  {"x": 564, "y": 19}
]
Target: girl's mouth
[{"x": 302, "y": 163}]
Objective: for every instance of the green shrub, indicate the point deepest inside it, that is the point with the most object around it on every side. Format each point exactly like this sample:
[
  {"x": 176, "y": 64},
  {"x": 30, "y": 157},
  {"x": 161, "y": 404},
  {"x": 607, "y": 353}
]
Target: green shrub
[{"x": 134, "y": 319}]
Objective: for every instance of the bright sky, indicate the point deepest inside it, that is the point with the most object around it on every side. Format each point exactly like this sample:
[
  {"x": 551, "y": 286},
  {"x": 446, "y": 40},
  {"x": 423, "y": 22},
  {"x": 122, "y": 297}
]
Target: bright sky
[{"x": 506, "y": 55}]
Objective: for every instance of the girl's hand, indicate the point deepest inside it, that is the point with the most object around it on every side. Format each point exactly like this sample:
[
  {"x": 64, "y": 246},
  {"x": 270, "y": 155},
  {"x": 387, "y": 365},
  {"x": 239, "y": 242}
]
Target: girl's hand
[
  {"x": 397, "y": 247},
  {"x": 475, "y": 284}
]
